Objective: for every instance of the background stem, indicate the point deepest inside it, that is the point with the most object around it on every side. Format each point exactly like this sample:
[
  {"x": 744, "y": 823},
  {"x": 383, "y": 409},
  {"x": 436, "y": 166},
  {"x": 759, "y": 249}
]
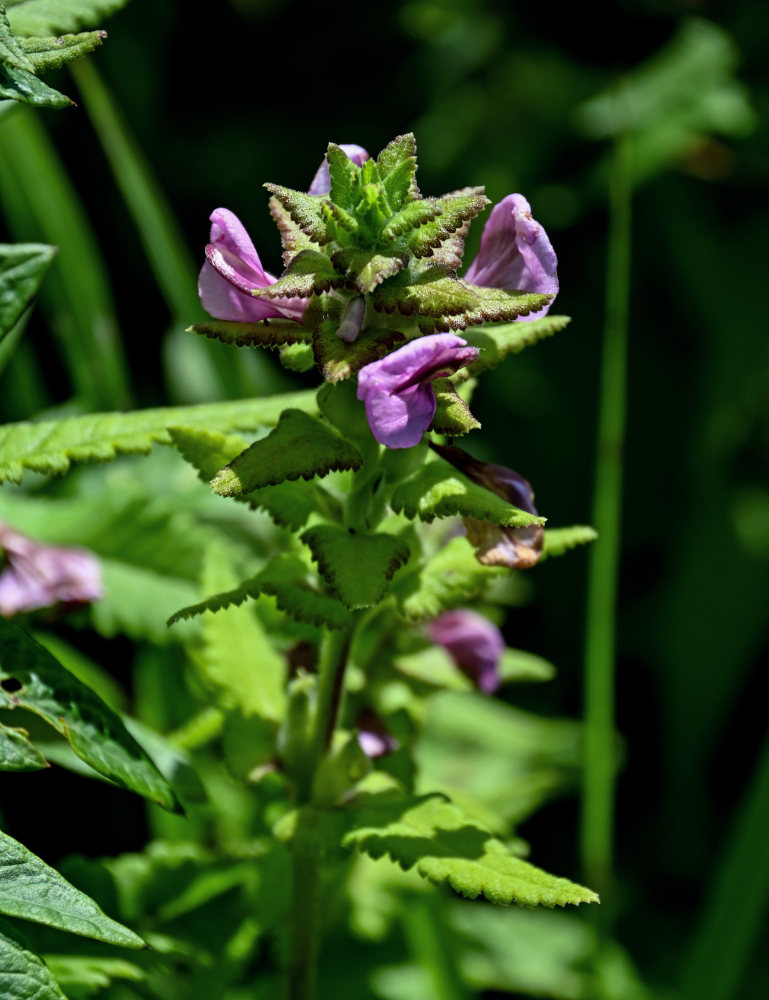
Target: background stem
[
  {"x": 304, "y": 926},
  {"x": 599, "y": 756}
]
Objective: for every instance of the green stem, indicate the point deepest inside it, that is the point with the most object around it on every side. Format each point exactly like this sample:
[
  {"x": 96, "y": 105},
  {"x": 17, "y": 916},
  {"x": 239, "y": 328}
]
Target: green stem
[
  {"x": 330, "y": 687},
  {"x": 599, "y": 754},
  {"x": 304, "y": 924}
]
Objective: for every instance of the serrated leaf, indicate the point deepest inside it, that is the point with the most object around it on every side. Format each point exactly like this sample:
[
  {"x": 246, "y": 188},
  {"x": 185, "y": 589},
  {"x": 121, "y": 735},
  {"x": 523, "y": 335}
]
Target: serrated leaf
[
  {"x": 339, "y": 360},
  {"x": 52, "y": 445},
  {"x": 437, "y": 489},
  {"x": 51, "y": 17},
  {"x": 433, "y": 294},
  {"x": 410, "y": 217},
  {"x": 24, "y": 976},
  {"x": 452, "y": 414},
  {"x": 397, "y": 166},
  {"x": 19, "y": 85},
  {"x": 285, "y": 579},
  {"x": 52, "y": 53},
  {"x": 492, "y": 305},
  {"x": 206, "y": 450},
  {"x": 297, "y": 357},
  {"x": 447, "y": 847},
  {"x": 496, "y": 342},
  {"x": 266, "y": 333},
  {"x": 314, "y": 264},
  {"x": 238, "y": 660},
  {"x": 560, "y": 540},
  {"x": 356, "y": 567},
  {"x": 30, "y": 678},
  {"x": 456, "y": 211},
  {"x": 31, "y": 890},
  {"x": 292, "y": 286},
  {"x": 449, "y": 579},
  {"x": 344, "y": 175},
  {"x": 367, "y": 268},
  {"x": 17, "y": 753},
  {"x": 304, "y": 210},
  {"x": 291, "y": 236},
  {"x": 12, "y": 54},
  {"x": 299, "y": 447}
]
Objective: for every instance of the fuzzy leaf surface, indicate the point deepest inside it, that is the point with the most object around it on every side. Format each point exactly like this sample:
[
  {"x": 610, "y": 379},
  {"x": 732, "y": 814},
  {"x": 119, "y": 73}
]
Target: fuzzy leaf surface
[
  {"x": 561, "y": 540},
  {"x": 357, "y": 567},
  {"x": 397, "y": 165},
  {"x": 304, "y": 210},
  {"x": 12, "y": 54},
  {"x": 267, "y": 333},
  {"x": 52, "y": 53},
  {"x": 338, "y": 360},
  {"x": 493, "y": 305},
  {"x": 449, "y": 579},
  {"x": 300, "y": 446},
  {"x": 53, "y": 17},
  {"x": 30, "y": 889},
  {"x": 439, "y": 490},
  {"x": 22, "y": 266},
  {"x": 52, "y": 445},
  {"x": 17, "y": 753},
  {"x": 92, "y": 729},
  {"x": 448, "y": 847},
  {"x": 24, "y": 976},
  {"x": 496, "y": 342},
  {"x": 452, "y": 413},
  {"x": 454, "y": 212},
  {"x": 19, "y": 85}
]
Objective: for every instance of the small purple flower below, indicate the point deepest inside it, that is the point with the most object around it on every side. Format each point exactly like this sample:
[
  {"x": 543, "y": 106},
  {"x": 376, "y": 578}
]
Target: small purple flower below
[
  {"x": 321, "y": 182},
  {"x": 400, "y": 401},
  {"x": 474, "y": 644},
  {"x": 374, "y": 739},
  {"x": 37, "y": 576},
  {"x": 515, "y": 253}
]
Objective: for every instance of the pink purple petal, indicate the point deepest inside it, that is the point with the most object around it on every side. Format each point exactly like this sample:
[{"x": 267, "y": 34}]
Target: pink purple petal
[{"x": 473, "y": 642}]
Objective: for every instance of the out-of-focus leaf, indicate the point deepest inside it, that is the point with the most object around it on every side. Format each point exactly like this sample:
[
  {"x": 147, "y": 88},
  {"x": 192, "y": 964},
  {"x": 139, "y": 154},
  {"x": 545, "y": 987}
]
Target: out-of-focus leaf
[
  {"x": 22, "y": 266},
  {"x": 91, "y": 974},
  {"x": 50, "y": 17},
  {"x": 52, "y": 446},
  {"x": 498, "y": 340},
  {"x": 560, "y": 540},
  {"x": 32, "y": 679},
  {"x": 17, "y": 753},
  {"x": 30, "y": 889}
]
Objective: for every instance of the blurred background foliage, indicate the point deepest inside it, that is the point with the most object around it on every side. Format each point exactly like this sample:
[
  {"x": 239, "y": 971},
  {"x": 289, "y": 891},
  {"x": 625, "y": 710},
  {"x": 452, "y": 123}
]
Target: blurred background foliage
[{"x": 179, "y": 114}]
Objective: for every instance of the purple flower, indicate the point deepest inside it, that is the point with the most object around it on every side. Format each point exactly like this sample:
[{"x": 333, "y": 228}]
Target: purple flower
[
  {"x": 515, "y": 548},
  {"x": 400, "y": 402},
  {"x": 321, "y": 182},
  {"x": 474, "y": 644},
  {"x": 374, "y": 739},
  {"x": 37, "y": 576},
  {"x": 232, "y": 270},
  {"x": 515, "y": 253}
]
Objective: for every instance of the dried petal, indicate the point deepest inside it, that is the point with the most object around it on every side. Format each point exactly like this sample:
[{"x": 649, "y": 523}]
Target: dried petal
[
  {"x": 473, "y": 642},
  {"x": 515, "y": 253},
  {"x": 400, "y": 402}
]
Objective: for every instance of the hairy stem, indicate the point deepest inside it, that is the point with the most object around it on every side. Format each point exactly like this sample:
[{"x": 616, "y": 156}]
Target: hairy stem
[{"x": 599, "y": 756}]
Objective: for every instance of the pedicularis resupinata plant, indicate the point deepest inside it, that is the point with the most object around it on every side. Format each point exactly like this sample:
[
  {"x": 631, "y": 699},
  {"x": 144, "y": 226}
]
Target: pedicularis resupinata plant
[{"x": 377, "y": 587}]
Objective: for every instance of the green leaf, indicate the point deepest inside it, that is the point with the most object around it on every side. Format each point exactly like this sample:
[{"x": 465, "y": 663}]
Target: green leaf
[
  {"x": 304, "y": 210},
  {"x": 52, "y": 53},
  {"x": 206, "y": 450},
  {"x": 17, "y": 753},
  {"x": 516, "y": 665},
  {"x": 433, "y": 295},
  {"x": 411, "y": 217},
  {"x": 452, "y": 414},
  {"x": 285, "y": 579},
  {"x": 397, "y": 165},
  {"x": 344, "y": 175},
  {"x": 367, "y": 268},
  {"x": 19, "y": 85},
  {"x": 356, "y": 567},
  {"x": 51, "y": 446},
  {"x": 267, "y": 333},
  {"x": 437, "y": 489},
  {"x": 560, "y": 540},
  {"x": 24, "y": 976},
  {"x": 455, "y": 211},
  {"x": 450, "y": 578},
  {"x": 238, "y": 660},
  {"x": 339, "y": 360},
  {"x": 494, "y": 305},
  {"x": 291, "y": 286},
  {"x": 299, "y": 447},
  {"x": 90, "y": 972},
  {"x": 30, "y": 678},
  {"x": 12, "y": 54},
  {"x": 297, "y": 357},
  {"x": 447, "y": 847},
  {"x": 496, "y": 342},
  {"x": 51, "y": 17},
  {"x": 31, "y": 890},
  {"x": 293, "y": 239},
  {"x": 312, "y": 264},
  {"x": 22, "y": 266}
]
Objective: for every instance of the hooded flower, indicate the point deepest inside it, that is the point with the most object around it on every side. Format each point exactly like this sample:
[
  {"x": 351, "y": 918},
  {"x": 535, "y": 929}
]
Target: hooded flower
[
  {"x": 37, "y": 576},
  {"x": 474, "y": 644},
  {"x": 515, "y": 253},
  {"x": 400, "y": 401},
  {"x": 233, "y": 269},
  {"x": 515, "y": 548}
]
